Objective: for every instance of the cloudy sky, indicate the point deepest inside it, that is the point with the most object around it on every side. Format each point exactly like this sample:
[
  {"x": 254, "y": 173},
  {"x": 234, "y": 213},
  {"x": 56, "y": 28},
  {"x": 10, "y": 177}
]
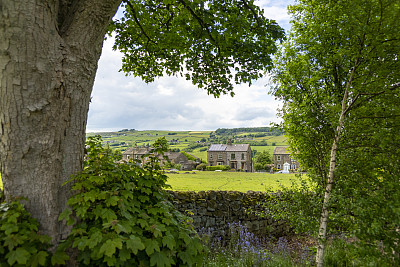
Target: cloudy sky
[{"x": 172, "y": 103}]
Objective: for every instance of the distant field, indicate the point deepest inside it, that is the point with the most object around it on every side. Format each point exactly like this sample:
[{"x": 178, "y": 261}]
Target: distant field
[
  {"x": 122, "y": 140},
  {"x": 229, "y": 181},
  {"x": 235, "y": 181}
]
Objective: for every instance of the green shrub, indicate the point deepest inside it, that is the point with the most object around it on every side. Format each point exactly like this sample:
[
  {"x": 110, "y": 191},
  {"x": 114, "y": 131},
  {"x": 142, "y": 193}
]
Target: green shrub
[
  {"x": 123, "y": 216},
  {"x": 21, "y": 244},
  {"x": 201, "y": 167},
  {"x": 218, "y": 167}
]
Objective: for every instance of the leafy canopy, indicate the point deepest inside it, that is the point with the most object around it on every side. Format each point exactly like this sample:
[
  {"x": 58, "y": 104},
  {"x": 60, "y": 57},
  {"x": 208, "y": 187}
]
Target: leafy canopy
[
  {"x": 211, "y": 43},
  {"x": 332, "y": 43}
]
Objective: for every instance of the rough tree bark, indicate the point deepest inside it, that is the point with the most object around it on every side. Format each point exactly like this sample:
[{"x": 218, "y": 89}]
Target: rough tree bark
[{"x": 48, "y": 60}]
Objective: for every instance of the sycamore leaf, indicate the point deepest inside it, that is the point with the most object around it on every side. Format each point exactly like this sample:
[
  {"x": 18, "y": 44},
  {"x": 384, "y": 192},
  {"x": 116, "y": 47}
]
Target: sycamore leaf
[
  {"x": 134, "y": 243},
  {"x": 94, "y": 239},
  {"x": 110, "y": 246},
  {"x": 159, "y": 259},
  {"x": 169, "y": 241},
  {"x": 19, "y": 255},
  {"x": 112, "y": 201},
  {"x": 124, "y": 255},
  {"x": 39, "y": 259},
  {"x": 151, "y": 246},
  {"x": 109, "y": 215}
]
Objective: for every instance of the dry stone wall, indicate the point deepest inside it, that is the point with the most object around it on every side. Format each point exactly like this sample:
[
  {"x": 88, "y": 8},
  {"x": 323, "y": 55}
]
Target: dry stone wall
[{"x": 215, "y": 210}]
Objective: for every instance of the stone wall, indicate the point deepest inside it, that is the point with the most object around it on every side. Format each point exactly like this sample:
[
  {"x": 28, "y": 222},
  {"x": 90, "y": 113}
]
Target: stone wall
[{"x": 215, "y": 210}]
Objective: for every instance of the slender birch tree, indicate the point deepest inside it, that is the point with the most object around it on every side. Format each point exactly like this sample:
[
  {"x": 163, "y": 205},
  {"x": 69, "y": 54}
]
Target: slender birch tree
[{"x": 340, "y": 62}]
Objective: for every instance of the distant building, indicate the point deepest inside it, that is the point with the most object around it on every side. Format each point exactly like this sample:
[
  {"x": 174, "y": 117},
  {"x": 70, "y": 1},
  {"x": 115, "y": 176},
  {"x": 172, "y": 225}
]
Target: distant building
[
  {"x": 141, "y": 154},
  {"x": 236, "y": 156},
  {"x": 283, "y": 161}
]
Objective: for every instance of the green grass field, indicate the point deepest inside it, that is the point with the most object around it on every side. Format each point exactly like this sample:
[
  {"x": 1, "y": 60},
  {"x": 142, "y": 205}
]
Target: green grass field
[{"x": 235, "y": 181}]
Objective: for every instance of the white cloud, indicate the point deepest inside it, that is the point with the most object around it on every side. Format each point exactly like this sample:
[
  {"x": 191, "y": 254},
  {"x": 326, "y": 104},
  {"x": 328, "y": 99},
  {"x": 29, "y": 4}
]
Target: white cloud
[{"x": 172, "y": 103}]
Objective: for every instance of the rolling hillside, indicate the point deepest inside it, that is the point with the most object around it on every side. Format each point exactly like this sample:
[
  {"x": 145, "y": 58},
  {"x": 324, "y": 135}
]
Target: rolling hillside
[{"x": 196, "y": 142}]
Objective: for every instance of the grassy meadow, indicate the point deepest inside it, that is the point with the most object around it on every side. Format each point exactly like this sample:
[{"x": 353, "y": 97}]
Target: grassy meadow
[{"x": 235, "y": 181}]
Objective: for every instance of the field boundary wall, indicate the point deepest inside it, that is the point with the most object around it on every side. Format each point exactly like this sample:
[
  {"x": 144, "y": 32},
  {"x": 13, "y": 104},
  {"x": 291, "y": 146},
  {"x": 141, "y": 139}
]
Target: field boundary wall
[{"x": 214, "y": 211}]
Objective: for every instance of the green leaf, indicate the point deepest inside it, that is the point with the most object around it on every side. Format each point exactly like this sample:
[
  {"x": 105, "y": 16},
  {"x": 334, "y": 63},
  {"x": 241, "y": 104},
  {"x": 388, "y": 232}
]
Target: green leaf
[
  {"x": 124, "y": 254},
  {"x": 169, "y": 241},
  {"x": 135, "y": 244},
  {"x": 19, "y": 255},
  {"x": 39, "y": 259},
  {"x": 109, "y": 215},
  {"x": 159, "y": 259},
  {"x": 91, "y": 195},
  {"x": 110, "y": 246},
  {"x": 12, "y": 241},
  {"x": 95, "y": 238},
  {"x": 59, "y": 257},
  {"x": 112, "y": 201},
  {"x": 123, "y": 227},
  {"x": 151, "y": 246}
]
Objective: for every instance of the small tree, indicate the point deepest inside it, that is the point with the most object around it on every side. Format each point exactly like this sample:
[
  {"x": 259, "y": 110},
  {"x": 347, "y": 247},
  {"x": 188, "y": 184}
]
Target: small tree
[
  {"x": 201, "y": 167},
  {"x": 262, "y": 161}
]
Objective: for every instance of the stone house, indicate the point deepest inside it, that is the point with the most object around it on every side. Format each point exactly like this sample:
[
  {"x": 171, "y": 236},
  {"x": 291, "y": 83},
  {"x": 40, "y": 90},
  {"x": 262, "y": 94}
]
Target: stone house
[
  {"x": 140, "y": 153},
  {"x": 236, "y": 156},
  {"x": 283, "y": 161}
]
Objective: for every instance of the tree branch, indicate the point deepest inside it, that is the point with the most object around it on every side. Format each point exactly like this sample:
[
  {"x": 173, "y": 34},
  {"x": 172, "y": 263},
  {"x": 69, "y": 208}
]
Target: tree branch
[
  {"x": 137, "y": 19},
  {"x": 201, "y": 22},
  {"x": 372, "y": 95}
]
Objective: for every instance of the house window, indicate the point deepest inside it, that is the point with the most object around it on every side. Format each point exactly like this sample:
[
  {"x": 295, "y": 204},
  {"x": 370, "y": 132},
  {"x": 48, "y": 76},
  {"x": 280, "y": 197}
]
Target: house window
[
  {"x": 219, "y": 156},
  {"x": 232, "y": 156},
  {"x": 220, "y": 163},
  {"x": 279, "y": 166},
  {"x": 278, "y": 158},
  {"x": 128, "y": 156},
  {"x": 211, "y": 156},
  {"x": 242, "y": 156}
]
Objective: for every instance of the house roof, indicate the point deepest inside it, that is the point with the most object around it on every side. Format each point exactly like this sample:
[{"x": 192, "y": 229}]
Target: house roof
[
  {"x": 229, "y": 148},
  {"x": 281, "y": 150},
  {"x": 237, "y": 147},
  {"x": 217, "y": 147},
  {"x": 137, "y": 150},
  {"x": 173, "y": 155}
]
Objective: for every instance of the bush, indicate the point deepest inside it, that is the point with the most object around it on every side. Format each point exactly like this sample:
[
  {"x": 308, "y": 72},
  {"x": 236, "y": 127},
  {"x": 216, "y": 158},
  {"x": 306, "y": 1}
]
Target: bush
[
  {"x": 218, "y": 167},
  {"x": 201, "y": 167},
  {"x": 123, "y": 216},
  {"x": 21, "y": 244}
]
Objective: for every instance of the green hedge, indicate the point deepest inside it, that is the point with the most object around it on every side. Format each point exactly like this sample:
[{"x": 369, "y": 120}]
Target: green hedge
[{"x": 219, "y": 167}]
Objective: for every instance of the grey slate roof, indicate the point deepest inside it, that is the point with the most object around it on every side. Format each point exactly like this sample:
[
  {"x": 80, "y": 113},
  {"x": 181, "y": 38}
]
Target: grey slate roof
[
  {"x": 237, "y": 147},
  {"x": 218, "y": 147},
  {"x": 230, "y": 148},
  {"x": 280, "y": 150}
]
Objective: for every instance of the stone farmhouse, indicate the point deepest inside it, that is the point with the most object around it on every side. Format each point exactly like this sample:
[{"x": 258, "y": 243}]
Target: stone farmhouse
[
  {"x": 141, "y": 154},
  {"x": 236, "y": 156},
  {"x": 283, "y": 161}
]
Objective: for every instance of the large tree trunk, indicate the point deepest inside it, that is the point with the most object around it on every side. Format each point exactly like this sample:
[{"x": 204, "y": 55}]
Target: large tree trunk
[{"x": 48, "y": 60}]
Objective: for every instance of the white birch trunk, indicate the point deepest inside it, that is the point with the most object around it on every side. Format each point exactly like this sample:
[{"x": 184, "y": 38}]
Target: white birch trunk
[{"x": 332, "y": 167}]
